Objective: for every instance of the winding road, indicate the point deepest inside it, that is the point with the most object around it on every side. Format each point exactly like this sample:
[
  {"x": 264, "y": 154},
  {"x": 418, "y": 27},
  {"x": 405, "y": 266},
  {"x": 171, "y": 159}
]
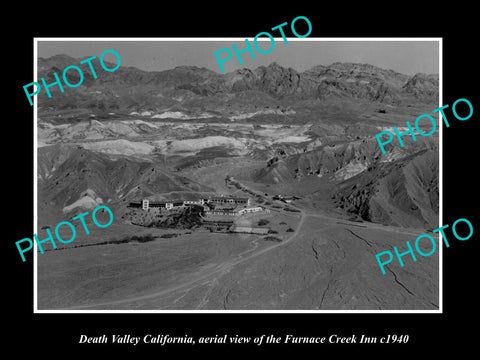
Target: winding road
[{"x": 216, "y": 272}]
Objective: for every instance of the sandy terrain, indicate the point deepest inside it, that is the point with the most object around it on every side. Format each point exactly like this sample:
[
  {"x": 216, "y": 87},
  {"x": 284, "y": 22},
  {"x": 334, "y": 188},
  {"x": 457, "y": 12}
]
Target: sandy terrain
[{"x": 324, "y": 264}]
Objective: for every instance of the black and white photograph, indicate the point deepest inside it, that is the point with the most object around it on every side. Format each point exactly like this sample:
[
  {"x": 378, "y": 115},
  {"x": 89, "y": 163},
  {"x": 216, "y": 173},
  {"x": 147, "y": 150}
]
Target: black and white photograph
[
  {"x": 202, "y": 179},
  {"x": 259, "y": 188}
]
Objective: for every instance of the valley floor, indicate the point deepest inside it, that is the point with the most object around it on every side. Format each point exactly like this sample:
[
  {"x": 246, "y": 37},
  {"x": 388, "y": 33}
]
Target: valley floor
[
  {"x": 321, "y": 257},
  {"x": 325, "y": 264}
]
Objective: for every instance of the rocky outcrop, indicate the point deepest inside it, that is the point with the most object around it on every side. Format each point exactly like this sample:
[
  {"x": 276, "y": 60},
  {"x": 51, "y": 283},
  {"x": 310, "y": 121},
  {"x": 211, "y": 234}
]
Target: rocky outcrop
[
  {"x": 422, "y": 86},
  {"x": 400, "y": 193}
]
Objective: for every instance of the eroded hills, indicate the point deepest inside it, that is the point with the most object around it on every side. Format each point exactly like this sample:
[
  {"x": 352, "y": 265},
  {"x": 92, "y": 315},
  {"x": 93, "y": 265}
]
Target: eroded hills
[{"x": 178, "y": 134}]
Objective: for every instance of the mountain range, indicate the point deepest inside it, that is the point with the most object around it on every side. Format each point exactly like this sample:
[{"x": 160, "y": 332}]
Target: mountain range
[
  {"x": 319, "y": 123},
  {"x": 300, "y": 145},
  {"x": 199, "y": 91}
]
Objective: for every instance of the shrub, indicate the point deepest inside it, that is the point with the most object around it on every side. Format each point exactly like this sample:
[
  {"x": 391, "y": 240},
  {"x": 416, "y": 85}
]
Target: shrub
[
  {"x": 144, "y": 238},
  {"x": 262, "y": 222},
  {"x": 168, "y": 236},
  {"x": 272, "y": 238},
  {"x": 289, "y": 230}
]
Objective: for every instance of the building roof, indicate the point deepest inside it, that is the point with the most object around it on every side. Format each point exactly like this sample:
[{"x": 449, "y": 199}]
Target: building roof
[
  {"x": 197, "y": 199},
  {"x": 226, "y": 198}
]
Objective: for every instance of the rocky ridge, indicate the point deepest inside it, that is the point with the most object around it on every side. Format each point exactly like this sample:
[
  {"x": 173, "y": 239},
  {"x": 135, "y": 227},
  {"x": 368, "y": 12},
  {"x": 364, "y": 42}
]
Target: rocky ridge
[{"x": 198, "y": 90}]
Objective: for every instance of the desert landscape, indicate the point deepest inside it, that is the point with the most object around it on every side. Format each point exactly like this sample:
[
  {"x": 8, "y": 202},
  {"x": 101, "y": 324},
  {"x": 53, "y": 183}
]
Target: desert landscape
[{"x": 279, "y": 194}]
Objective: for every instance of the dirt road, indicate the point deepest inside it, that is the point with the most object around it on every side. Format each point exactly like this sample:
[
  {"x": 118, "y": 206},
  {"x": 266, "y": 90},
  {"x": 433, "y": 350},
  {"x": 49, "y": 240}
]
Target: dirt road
[
  {"x": 207, "y": 275},
  {"x": 214, "y": 274}
]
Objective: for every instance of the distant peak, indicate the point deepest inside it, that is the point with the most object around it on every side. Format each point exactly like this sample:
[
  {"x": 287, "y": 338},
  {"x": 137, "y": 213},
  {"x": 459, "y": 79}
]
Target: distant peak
[
  {"x": 58, "y": 57},
  {"x": 352, "y": 65},
  {"x": 274, "y": 64},
  {"x": 272, "y": 67},
  {"x": 191, "y": 68},
  {"x": 425, "y": 76},
  {"x": 186, "y": 67}
]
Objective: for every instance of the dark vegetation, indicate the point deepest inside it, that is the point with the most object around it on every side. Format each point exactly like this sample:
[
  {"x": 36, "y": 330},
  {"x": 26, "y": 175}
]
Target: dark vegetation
[
  {"x": 187, "y": 219},
  {"x": 125, "y": 240},
  {"x": 182, "y": 218},
  {"x": 272, "y": 238}
]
